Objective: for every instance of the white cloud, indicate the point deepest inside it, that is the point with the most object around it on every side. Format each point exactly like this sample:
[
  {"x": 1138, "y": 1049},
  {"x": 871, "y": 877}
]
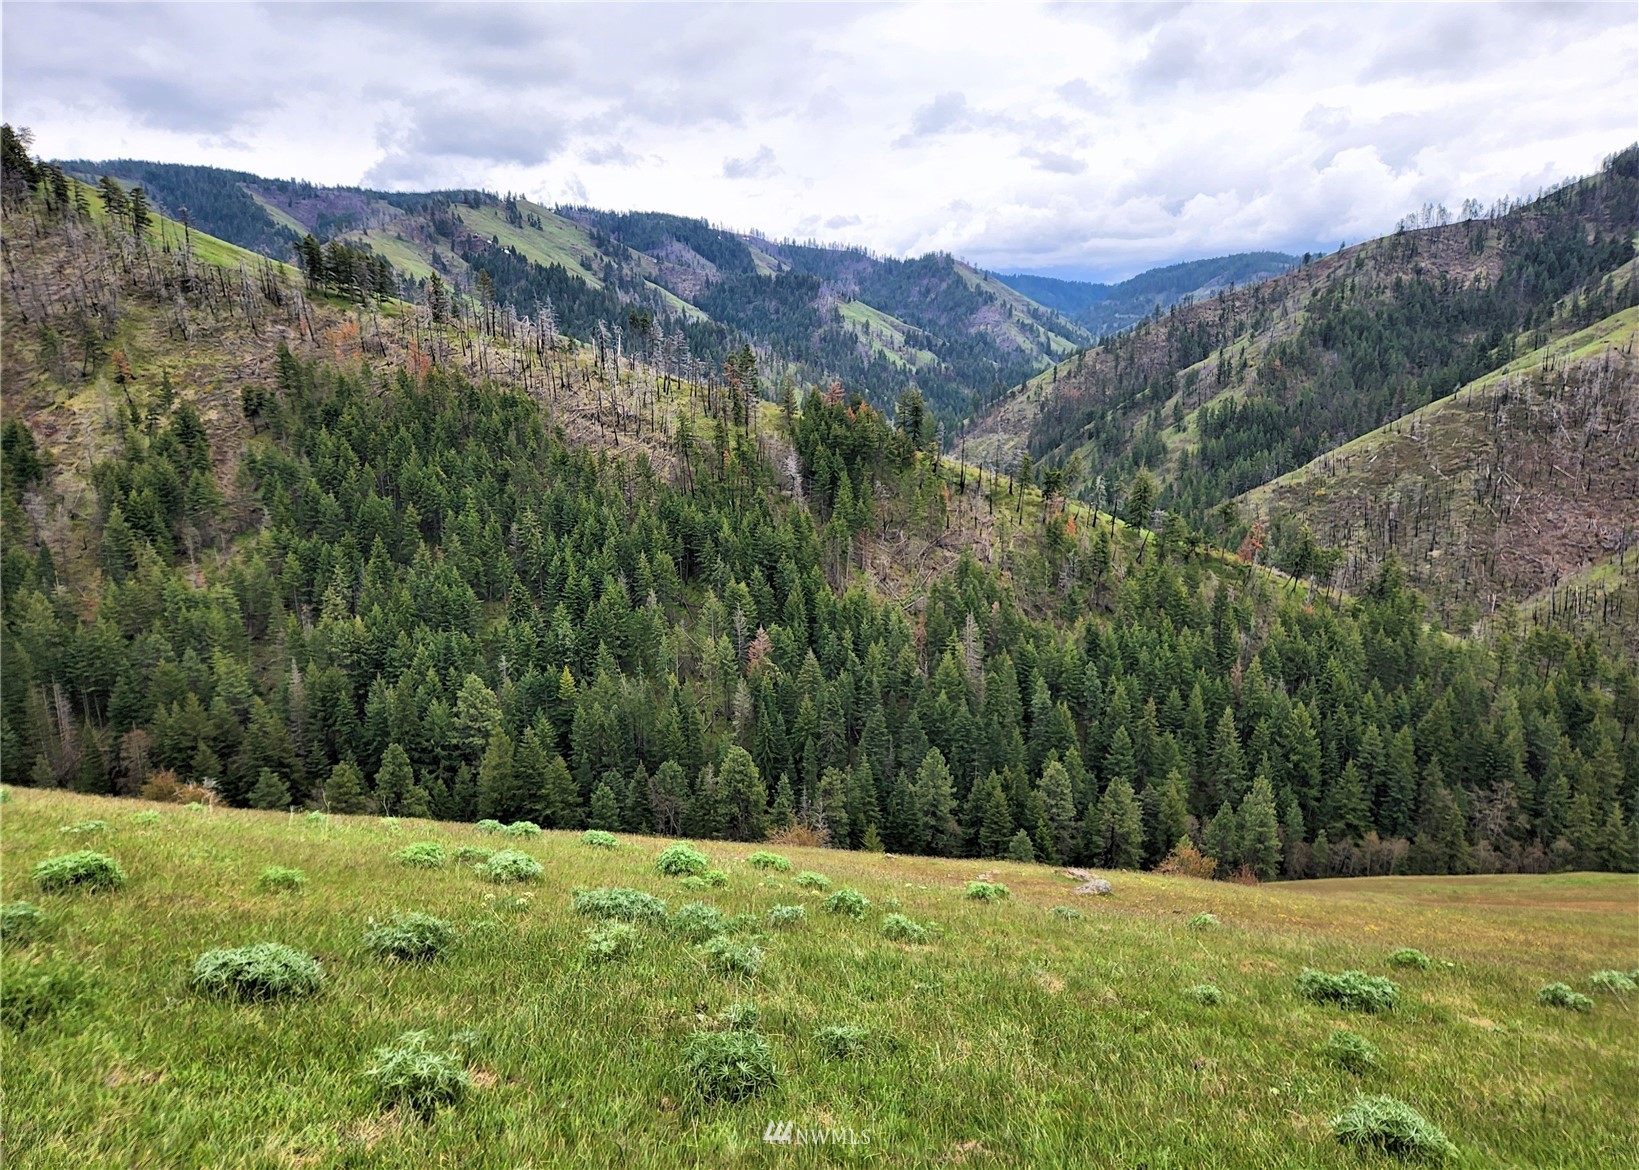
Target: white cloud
[{"x": 1080, "y": 139}]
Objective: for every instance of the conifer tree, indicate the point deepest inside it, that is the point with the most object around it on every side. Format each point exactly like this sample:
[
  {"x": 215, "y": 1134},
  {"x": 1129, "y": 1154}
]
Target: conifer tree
[
  {"x": 744, "y": 795},
  {"x": 936, "y": 801},
  {"x": 495, "y": 781},
  {"x": 344, "y": 792},
  {"x": 270, "y": 792},
  {"x": 605, "y": 808},
  {"x": 1259, "y": 830},
  {"x": 996, "y": 820},
  {"x": 1122, "y": 843}
]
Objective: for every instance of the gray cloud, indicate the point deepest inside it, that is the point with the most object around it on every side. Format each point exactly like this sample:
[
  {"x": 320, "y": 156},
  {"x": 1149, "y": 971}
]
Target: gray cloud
[
  {"x": 1052, "y": 160},
  {"x": 757, "y": 166}
]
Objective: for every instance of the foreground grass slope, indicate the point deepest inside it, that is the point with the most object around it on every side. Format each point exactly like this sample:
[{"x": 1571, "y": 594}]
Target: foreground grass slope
[{"x": 1018, "y": 1037}]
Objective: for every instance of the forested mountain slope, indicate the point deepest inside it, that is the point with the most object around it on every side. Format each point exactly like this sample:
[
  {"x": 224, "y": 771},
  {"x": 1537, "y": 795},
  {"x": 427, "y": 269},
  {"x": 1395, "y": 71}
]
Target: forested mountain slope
[
  {"x": 305, "y": 549},
  {"x": 654, "y": 283}
]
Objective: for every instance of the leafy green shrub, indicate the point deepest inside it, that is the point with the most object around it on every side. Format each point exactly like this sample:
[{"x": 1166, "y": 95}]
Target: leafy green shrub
[
  {"x": 849, "y": 902},
  {"x": 696, "y": 921},
  {"x": 1617, "y": 982},
  {"x": 1392, "y": 1126},
  {"x": 843, "y": 1041},
  {"x": 1354, "y": 990},
  {"x": 317, "y": 818},
  {"x": 408, "y": 1072},
  {"x": 1069, "y": 913},
  {"x": 709, "y": 880},
  {"x": 278, "y": 878},
  {"x": 986, "y": 891},
  {"x": 262, "y": 971},
  {"x": 681, "y": 861},
  {"x": 899, "y": 928},
  {"x": 522, "y": 829},
  {"x": 86, "y": 869},
  {"x": 1410, "y": 957},
  {"x": 422, "y": 855},
  {"x": 147, "y": 816},
  {"x": 1206, "y": 994},
  {"x": 724, "y": 956},
  {"x": 599, "y": 839},
  {"x": 1202, "y": 921},
  {"x": 1560, "y": 995},
  {"x": 740, "y": 1017},
  {"x": 609, "y": 941},
  {"x": 510, "y": 866},
  {"x": 472, "y": 854},
  {"x": 730, "y": 1066},
  {"x": 413, "y": 937},
  {"x": 617, "y": 902},
  {"x": 20, "y": 923},
  {"x": 1350, "y": 1050},
  {"x": 741, "y": 924},
  {"x": 35, "y": 991},
  {"x": 809, "y": 880},
  {"x": 489, "y": 825},
  {"x": 763, "y": 859},
  {"x": 786, "y": 915},
  {"x": 85, "y": 828}
]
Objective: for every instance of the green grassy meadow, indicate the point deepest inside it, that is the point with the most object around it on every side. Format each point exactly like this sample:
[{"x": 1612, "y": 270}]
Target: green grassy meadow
[{"x": 1016, "y": 1038}]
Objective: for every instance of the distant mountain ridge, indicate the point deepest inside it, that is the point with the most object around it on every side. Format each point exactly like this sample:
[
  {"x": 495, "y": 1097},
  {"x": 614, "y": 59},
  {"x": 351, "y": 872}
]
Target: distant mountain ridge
[{"x": 1108, "y": 308}]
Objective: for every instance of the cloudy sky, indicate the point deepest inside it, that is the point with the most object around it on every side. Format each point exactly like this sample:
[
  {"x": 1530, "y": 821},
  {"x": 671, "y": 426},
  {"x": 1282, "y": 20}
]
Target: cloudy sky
[{"x": 1077, "y": 140}]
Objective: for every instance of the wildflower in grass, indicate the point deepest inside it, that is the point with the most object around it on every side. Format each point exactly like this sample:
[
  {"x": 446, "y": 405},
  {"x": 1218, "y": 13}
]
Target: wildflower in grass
[
  {"x": 729, "y": 1066},
  {"x": 279, "y": 879},
  {"x": 609, "y": 941},
  {"x": 85, "y": 828},
  {"x": 1069, "y": 913},
  {"x": 422, "y": 855},
  {"x": 1410, "y": 957},
  {"x": 1205, "y": 994},
  {"x": 843, "y": 1041},
  {"x": 509, "y": 865},
  {"x": 262, "y": 971},
  {"x": 786, "y": 915},
  {"x": 617, "y": 902},
  {"x": 85, "y": 869},
  {"x": 407, "y": 1072},
  {"x": 1202, "y": 921},
  {"x": 1560, "y": 995},
  {"x": 696, "y": 921},
  {"x": 681, "y": 861},
  {"x": 412, "y": 937},
  {"x": 599, "y": 839},
  {"x": 1354, "y": 990},
  {"x": 1392, "y": 1126},
  {"x": 522, "y": 829},
  {"x": 1350, "y": 1050},
  {"x": 809, "y": 880},
  {"x": 987, "y": 892},
  {"x": 1617, "y": 982},
  {"x": 20, "y": 923},
  {"x": 848, "y": 902},
  {"x": 900, "y": 928},
  {"x": 724, "y": 956},
  {"x": 763, "y": 859}
]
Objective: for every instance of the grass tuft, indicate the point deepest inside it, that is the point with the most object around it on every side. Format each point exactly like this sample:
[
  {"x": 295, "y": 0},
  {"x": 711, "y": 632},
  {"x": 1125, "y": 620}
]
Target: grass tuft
[
  {"x": 618, "y": 903},
  {"x": 509, "y": 866},
  {"x": 1392, "y": 1126},
  {"x": 85, "y": 869},
  {"x": 610, "y": 941},
  {"x": 259, "y": 972},
  {"x": 786, "y": 915},
  {"x": 724, "y": 956},
  {"x": 599, "y": 839},
  {"x": 36, "y": 991},
  {"x": 696, "y": 922},
  {"x": 1410, "y": 957},
  {"x": 20, "y": 923},
  {"x": 147, "y": 816},
  {"x": 740, "y": 1016},
  {"x": 1205, "y": 994},
  {"x": 407, "y": 1072},
  {"x": 1202, "y": 921},
  {"x": 1560, "y": 995},
  {"x": 279, "y": 879},
  {"x": 848, "y": 902},
  {"x": 987, "y": 892},
  {"x": 1351, "y": 1051},
  {"x": 1069, "y": 913},
  {"x": 900, "y": 928},
  {"x": 843, "y": 1041},
  {"x": 422, "y": 855},
  {"x": 413, "y": 937},
  {"x": 809, "y": 880},
  {"x": 85, "y": 828},
  {"x": 730, "y": 1066},
  {"x": 681, "y": 861},
  {"x": 1354, "y": 990},
  {"x": 472, "y": 854},
  {"x": 763, "y": 859}
]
